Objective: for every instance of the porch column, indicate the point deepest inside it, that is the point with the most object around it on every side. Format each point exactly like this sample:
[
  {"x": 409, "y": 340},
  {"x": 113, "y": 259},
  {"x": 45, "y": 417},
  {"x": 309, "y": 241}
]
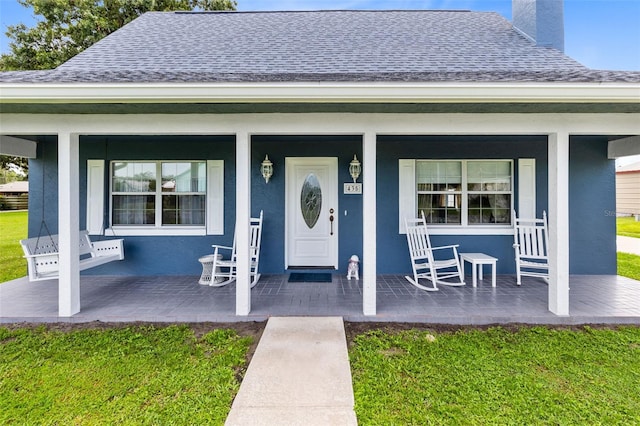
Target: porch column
[
  {"x": 243, "y": 214},
  {"x": 369, "y": 253},
  {"x": 68, "y": 224},
  {"x": 559, "y": 223}
]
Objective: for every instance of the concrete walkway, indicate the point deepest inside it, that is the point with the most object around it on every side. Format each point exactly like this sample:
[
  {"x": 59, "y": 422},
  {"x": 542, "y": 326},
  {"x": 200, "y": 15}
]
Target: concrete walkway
[
  {"x": 299, "y": 375},
  {"x": 628, "y": 245}
]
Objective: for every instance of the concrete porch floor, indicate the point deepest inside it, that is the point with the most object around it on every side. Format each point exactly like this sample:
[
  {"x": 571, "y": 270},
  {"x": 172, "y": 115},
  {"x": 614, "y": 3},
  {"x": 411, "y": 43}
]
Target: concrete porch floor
[{"x": 593, "y": 299}]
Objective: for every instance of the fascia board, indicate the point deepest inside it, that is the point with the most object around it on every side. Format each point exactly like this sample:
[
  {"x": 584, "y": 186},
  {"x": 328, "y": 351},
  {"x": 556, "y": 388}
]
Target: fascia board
[{"x": 321, "y": 92}]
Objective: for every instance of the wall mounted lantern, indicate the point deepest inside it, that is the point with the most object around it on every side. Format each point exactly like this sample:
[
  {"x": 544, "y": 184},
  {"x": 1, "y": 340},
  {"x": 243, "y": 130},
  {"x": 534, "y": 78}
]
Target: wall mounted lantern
[
  {"x": 266, "y": 168},
  {"x": 354, "y": 168}
]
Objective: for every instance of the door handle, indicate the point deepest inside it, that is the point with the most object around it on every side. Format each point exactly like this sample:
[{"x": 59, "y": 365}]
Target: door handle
[{"x": 331, "y": 220}]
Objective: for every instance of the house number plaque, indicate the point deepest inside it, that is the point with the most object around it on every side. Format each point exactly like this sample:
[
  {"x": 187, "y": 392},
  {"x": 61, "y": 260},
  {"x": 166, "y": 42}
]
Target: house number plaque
[{"x": 353, "y": 188}]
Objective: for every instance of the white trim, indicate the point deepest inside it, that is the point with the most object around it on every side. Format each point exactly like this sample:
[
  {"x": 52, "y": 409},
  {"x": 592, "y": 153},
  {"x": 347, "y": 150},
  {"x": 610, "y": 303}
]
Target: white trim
[
  {"x": 435, "y": 229},
  {"x": 158, "y": 228},
  {"x": 316, "y": 124},
  {"x": 407, "y": 203},
  {"x": 131, "y": 231},
  {"x": 320, "y": 92},
  {"x": 95, "y": 197},
  {"x": 369, "y": 223},
  {"x": 406, "y": 192},
  {"x": 527, "y": 188},
  {"x": 558, "y": 292},
  {"x": 243, "y": 217},
  {"x": 68, "y": 224},
  {"x": 158, "y": 195},
  {"x": 215, "y": 197},
  {"x": 326, "y": 167},
  {"x": 464, "y": 204}
]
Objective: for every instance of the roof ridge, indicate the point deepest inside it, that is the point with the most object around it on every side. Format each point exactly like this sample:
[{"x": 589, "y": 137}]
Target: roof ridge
[{"x": 213, "y": 12}]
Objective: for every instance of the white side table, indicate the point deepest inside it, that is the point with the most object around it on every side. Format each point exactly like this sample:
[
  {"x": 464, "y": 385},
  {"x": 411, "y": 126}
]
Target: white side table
[
  {"x": 207, "y": 268},
  {"x": 479, "y": 259}
]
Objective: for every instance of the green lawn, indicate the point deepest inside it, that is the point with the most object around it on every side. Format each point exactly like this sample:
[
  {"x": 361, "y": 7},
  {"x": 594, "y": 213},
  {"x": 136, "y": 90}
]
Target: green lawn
[
  {"x": 628, "y": 227},
  {"x": 13, "y": 228},
  {"x": 134, "y": 375},
  {"x": 629, "y": 265},
  {"x": 473, "y": 377}
]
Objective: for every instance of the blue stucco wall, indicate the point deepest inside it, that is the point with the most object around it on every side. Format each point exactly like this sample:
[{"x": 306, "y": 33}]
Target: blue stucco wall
[
  {"x": 43, "y": 202},
  {"x": 271, "y": 197},
  {"x": 592, "y": 189},
  {"x": 393, "y": 256},
  {"x": 148, "y": 255},
  {"x": 592, "y": 203},
  {"x": 174, "y": 255}
]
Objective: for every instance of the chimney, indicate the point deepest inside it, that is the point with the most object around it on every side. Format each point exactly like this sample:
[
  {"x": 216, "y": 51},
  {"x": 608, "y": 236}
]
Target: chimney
[{"x": 540, "y": 20}]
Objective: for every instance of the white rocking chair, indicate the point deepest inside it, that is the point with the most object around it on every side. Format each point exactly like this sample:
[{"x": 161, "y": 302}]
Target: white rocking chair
[
  {"x": 530, "y": 241},
  {"x": 223, "y": 271},
  {"x": 423, "y": 261}
]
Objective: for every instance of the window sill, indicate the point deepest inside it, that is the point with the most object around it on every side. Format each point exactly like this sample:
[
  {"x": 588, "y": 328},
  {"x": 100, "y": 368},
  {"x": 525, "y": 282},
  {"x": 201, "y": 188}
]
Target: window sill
[
  {"x": 132, "y": 231},
  {"x": 470, "y": 230}
]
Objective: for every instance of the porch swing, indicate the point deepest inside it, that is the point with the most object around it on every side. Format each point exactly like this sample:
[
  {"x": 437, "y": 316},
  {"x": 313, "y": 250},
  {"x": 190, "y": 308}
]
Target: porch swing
[{"x": 42, "y": 252}]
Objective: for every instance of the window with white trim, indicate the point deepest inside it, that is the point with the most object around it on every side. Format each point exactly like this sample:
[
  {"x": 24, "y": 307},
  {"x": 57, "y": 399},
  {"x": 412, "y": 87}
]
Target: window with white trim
[
  {"x": 439, "y": 189},
  {"x": 489, "y": 192},
  {"x": 457, "y": 193},
  {"x": 167, "y": 197}
]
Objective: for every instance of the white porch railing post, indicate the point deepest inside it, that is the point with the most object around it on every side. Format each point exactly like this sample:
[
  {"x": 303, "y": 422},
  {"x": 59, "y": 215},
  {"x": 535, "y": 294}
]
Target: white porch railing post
[
  {"x": 559, "y": 223},
  {"x": 369, "y": 223},
  {"x": 243, "y": 214},
  {"x": 68, "y": 224}
]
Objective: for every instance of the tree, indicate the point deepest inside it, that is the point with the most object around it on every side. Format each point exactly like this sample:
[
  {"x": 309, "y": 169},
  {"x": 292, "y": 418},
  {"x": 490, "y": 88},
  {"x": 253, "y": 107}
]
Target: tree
[
  {"x": 7, "y": 162},
  {"x": 68, "y": 27},
  {"x": 13, "y": 168}
]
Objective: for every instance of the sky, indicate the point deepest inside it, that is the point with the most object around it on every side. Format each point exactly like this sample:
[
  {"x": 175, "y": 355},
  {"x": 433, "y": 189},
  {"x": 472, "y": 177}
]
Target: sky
[{"x": 601, "y": 34}]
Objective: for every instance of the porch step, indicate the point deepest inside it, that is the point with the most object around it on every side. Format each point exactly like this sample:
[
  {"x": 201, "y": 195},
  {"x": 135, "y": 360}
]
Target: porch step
[{"x": 299, "y": 375}]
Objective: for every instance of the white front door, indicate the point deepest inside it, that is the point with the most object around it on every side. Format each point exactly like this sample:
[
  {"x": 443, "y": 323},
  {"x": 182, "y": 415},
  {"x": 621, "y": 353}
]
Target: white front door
[{"x": 311, "y": 214}]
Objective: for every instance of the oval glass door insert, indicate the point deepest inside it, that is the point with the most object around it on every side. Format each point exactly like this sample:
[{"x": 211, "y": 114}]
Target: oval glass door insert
[{"x": 311, "y": 200}]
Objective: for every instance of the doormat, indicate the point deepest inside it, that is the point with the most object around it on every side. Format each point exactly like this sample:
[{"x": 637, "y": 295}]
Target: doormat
[{"x": 309, "y": 277}]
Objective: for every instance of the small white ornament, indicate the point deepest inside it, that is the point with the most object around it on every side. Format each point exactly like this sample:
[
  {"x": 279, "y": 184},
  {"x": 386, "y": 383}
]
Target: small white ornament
[{"x": 353, "y": 268}]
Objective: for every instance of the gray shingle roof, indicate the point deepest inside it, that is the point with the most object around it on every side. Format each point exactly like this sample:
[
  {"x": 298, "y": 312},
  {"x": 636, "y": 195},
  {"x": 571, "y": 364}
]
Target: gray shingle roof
[{"x": 319, "y": 46}]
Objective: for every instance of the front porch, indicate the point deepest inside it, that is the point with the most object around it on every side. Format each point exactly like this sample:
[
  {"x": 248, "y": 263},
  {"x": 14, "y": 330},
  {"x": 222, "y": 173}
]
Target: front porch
[{"x": 593, "y": 299}]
